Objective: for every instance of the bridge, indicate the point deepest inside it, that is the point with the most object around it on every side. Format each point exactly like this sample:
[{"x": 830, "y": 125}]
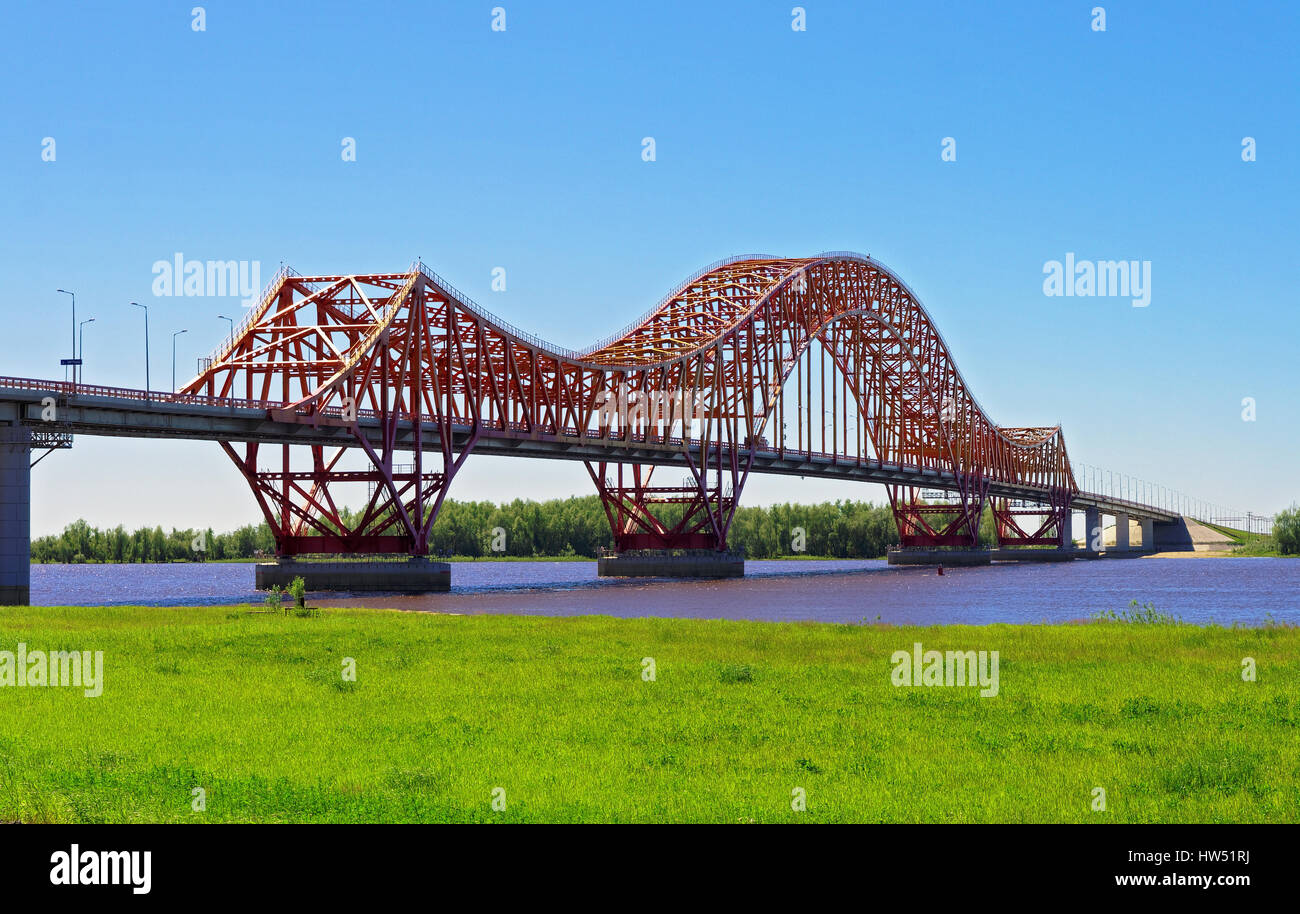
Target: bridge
[{"x": 374, "y": 389}]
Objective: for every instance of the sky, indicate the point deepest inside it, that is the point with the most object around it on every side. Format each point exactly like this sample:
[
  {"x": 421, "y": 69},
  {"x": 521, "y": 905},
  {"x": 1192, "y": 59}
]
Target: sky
[{"x": 965, "y": 145}]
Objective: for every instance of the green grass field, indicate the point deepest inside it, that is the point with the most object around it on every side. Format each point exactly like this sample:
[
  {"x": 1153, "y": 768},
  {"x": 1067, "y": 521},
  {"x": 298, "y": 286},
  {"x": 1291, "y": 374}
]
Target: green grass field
[{"x": 445, "y": 709}]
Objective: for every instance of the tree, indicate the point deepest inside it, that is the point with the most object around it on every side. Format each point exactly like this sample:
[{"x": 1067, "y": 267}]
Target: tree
[{"x": 1286, "y": 531}]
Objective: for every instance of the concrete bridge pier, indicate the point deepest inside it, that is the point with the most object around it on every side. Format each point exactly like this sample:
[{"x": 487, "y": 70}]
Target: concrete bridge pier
[
  {"x": 1094, "y": 531},
  {"x": 953, "y": 558},
  {"x": 400, "y": 574},
  {"x": 1148, "y": 534},
  {"x": 670, "y": 563},
  {"x": 1121, "y": 533},
  {"x": 15, "y": 515}
]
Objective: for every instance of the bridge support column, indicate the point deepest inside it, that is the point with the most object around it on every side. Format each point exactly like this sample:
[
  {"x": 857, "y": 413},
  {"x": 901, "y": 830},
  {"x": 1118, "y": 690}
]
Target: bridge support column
[
  {"x": 1067, "y": 529},
  {"x": 668, "y": 530},
  {"x": 15, "y": 515},
  {"x": 1148, "y": 534},
  {"x": 1093, "y": 530},
  {"x": 1121, "y": 533},
  {"x": 1043, "y": 524},
  {"x": 925, "y": 526}
]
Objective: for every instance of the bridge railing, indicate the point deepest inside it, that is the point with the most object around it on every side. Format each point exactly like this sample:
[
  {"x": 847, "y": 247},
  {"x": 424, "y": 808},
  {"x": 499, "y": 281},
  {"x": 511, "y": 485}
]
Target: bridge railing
[
  {"x": 1169, "y": 500},
  {"x": 1125, "y": 490},
  {"x": 222, "y": 349},
  {"x": 676, "y": 291},
  {"x": 463, "y": 299},
  {"x": 129, "y": 393},
  {"x": 67, "y": 388}
]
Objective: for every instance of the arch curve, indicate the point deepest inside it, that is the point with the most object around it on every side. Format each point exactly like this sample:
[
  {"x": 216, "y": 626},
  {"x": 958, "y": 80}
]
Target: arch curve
[{"x": 735, "y": 341}]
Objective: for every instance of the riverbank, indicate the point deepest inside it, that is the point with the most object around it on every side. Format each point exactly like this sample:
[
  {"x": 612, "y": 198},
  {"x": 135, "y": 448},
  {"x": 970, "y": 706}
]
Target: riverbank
[
  {"x": 800, "y": 557},
  {"x": 494, "y": 557},
  {"x": 560, "y": 719}
]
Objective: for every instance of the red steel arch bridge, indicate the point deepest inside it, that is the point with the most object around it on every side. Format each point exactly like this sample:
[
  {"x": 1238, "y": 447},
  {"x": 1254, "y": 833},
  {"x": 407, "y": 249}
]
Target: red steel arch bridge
[
  {"x": 374, "y": 389},
  {"x": 829, "y": 357}
]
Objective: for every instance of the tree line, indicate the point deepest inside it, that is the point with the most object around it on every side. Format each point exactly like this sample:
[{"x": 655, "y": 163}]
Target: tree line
[
  {"x": 1286, "y": 531},
  {"x": 573, "y": 526},
  {"x": 81, "y": 542}
]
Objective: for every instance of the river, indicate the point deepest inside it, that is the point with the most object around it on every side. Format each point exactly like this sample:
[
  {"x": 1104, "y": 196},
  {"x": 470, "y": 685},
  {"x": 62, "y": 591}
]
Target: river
[{"x": 1226, "y": 591}]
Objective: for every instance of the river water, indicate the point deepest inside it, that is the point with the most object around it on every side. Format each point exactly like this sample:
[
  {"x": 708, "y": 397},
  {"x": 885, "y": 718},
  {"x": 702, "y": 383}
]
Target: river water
[{"x": 1249, "y": 591}]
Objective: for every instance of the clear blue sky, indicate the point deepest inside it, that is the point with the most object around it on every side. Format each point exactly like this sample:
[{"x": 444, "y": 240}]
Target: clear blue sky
[{"x": 522, "y": 149}]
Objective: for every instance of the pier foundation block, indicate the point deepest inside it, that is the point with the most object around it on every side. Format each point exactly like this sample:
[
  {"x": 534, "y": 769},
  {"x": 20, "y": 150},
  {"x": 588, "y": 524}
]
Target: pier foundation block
[
  {"x": 953, "y": 558},
  {"x": 411, "y": 575},
  {"x": 654, "y": 563},
  {"x": 1036, "y": 555}
]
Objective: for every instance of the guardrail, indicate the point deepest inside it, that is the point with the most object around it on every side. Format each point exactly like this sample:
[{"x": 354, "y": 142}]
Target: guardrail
[
  {"x": 1177, "y": 504},
  {"x": 128, "y": 393},
  {"x": 471, "y": 305},
  {"x": 676, "y": 291},
  {"x": 222, "y": 349},
  {"x": 1115, "y": 488},
  {"x": 580, "y": 354}
]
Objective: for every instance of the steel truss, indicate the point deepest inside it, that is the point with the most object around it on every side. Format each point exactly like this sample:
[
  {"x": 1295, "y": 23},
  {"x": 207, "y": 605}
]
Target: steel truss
[{"x": 830, "y": 356}]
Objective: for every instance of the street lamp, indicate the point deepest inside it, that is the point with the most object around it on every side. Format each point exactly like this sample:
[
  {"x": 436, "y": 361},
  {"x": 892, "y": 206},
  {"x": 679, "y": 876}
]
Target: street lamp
[
  {"x": 232, "y": 324},
  {"x": 174, "y": 335},
  {"x": 74, "y": 333},
  {"x": 81, "y": 340},
  {"x": 146, "y": 347}
]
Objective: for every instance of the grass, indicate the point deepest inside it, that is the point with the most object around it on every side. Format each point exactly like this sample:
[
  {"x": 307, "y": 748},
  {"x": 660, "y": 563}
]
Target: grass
[
  {"x": 1238, "y": 536},
  {"x": 1257, "y": 545},
  {"x": 444, "y": 709}
]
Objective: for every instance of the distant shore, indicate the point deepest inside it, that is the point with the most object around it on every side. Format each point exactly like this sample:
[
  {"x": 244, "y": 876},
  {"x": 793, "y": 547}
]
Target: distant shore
[{"x": 587, "y": 558}]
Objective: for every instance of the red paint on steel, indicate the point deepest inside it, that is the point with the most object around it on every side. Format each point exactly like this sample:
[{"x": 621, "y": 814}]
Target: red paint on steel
[{"x": 729, "y": 347}]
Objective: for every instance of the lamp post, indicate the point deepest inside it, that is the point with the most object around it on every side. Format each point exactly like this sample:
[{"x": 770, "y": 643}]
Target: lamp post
[
  {"x": 232, "y": 324},
  {"x": 146, "y": 347},
  {"x": 174, "y": 335},
  {"x": 81, "y": 342},
  {"x": 74, "y": 333}
]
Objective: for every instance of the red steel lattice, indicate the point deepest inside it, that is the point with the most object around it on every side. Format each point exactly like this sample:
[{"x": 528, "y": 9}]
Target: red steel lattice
[{"x": 750, "y": 348}]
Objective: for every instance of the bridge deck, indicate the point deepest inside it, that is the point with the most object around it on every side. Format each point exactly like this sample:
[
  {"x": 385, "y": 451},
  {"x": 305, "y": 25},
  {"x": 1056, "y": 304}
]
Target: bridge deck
[{"x": 124, "y": 412}]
